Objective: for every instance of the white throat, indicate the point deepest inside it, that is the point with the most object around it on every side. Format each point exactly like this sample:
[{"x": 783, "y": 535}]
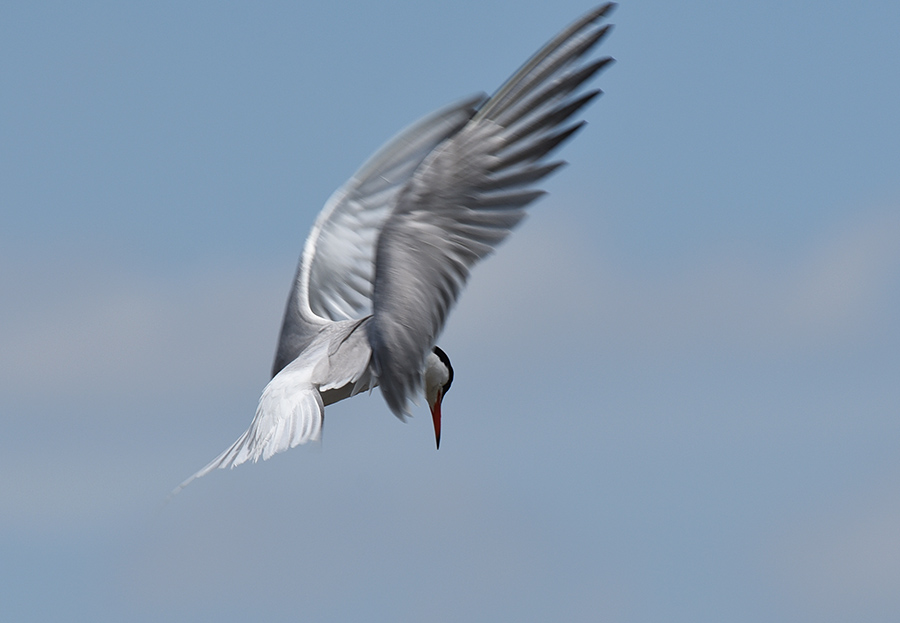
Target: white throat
[{"x": 436, "y": 376}]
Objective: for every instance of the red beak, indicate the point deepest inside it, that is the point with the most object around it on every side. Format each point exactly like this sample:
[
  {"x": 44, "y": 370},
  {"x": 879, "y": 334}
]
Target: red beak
[{"x": 436, "y": 418}]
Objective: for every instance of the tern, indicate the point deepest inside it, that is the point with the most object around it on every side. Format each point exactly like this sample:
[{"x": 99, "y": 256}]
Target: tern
[{"x": 393, "y": 247}]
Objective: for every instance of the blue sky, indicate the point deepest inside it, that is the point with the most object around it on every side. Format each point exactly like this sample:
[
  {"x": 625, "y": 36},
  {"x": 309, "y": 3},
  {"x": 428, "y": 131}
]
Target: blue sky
[{"x": 676, "y": 390}]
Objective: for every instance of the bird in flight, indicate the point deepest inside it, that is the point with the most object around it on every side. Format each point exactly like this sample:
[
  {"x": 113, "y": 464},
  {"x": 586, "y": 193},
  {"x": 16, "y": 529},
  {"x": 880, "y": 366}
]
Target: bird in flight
[{"x": 391, "y": 250}]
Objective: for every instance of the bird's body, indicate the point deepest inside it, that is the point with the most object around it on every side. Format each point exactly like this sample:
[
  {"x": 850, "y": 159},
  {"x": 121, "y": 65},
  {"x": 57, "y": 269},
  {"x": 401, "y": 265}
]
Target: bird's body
[{"x": 391, "y": 250}]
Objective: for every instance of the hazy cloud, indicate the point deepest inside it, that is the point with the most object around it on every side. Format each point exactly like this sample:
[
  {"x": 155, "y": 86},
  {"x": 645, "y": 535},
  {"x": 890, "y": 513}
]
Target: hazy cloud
[
  {"x": 836, "y": 289},
  {"x": 845, "y": 563},
  {"x": 95, "y": 331}
]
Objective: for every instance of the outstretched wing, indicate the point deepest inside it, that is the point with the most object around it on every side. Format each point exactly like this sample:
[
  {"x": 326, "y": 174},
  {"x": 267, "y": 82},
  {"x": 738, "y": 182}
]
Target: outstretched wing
[
  {"x": 335, "y": 274},
  {"x": 466, "y": 197}
]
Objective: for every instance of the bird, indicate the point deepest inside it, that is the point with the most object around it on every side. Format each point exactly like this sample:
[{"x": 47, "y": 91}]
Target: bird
[{"x": 391, "y": 250}]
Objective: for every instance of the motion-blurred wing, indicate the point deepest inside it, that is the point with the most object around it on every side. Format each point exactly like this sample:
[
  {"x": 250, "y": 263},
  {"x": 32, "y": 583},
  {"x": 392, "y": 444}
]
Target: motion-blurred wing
[
  {"x": 335, "y": 274},
  {"x": 466, "y": 197}
]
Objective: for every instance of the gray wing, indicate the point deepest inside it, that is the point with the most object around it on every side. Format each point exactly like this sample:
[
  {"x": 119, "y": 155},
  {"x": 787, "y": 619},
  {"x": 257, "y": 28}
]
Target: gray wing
[
  {"x": 335, "y": 274},
  {"x": 466, "y": 197}
]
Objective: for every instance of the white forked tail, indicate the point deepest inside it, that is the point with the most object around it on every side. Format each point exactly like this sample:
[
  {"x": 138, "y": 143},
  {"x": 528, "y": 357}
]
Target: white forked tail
[{"x": 290, "y": 413}]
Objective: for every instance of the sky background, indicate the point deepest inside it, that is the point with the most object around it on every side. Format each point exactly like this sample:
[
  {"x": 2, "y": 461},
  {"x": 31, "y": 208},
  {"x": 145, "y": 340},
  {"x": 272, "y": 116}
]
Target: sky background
[{"x": 677, "y": 391}]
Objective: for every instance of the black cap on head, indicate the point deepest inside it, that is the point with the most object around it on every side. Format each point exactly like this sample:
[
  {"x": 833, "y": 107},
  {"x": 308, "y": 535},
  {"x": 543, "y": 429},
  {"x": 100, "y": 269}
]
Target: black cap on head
[{"x": 446, "y": 361}]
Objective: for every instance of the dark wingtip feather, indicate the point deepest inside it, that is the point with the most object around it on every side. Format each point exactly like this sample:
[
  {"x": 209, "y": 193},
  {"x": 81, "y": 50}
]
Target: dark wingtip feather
[
  {"x": 526, "y": 175},
  {"x": 554, "y": 118},
  {"x": 539, "y": 149},
  {"x": 607, "y": 8},
  {"x": 505, "y": 96}
]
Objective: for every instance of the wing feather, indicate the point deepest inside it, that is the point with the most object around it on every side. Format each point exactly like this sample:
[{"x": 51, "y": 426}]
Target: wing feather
[
  {"x": 465, "y": 198},
  {"x": 336, "y": 270}
]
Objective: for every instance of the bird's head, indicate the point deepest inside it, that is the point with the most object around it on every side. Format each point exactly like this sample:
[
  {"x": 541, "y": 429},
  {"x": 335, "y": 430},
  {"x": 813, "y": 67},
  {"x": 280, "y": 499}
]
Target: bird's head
[{"x": 438, "y": 377}]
